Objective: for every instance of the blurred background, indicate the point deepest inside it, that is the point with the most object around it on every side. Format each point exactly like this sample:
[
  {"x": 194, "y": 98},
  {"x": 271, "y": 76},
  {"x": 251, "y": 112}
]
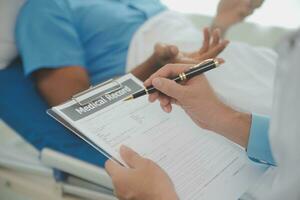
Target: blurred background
[{"x": 283, "y": 13}]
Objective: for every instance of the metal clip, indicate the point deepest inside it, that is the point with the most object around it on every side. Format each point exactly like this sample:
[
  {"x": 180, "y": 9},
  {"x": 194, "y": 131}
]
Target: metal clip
[{"x": 115, "y": 88}]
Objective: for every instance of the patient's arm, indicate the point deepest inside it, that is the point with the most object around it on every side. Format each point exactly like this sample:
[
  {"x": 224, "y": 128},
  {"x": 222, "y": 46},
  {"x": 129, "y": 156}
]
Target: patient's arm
[
  {"x": 162, "y": 55},
  {"x": 230, "y": 12},
  {"x": 58, "y": 85}
]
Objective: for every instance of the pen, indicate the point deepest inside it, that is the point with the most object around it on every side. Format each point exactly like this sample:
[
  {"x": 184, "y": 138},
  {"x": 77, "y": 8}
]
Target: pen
[{"x": 192, "y": 72}]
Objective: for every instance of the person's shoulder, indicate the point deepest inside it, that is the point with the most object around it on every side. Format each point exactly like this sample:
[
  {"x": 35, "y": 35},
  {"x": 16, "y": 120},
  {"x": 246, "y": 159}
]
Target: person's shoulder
[
  {"x": 39, "y": 11},
  {"x": 39, "y": 6}
]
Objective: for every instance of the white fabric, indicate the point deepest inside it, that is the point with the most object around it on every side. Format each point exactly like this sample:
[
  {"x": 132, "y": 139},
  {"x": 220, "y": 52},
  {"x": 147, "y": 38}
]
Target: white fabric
[
  {"x": 246, "y": 79},
  {"x": 283, "y": 182},
  {"x": 285, "y": 128},
  {"x": 9, "y": 10}
]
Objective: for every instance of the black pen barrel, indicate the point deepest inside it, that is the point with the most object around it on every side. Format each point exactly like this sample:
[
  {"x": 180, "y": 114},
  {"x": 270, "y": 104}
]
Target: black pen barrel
[
  {"x": 139, "y": 94},
  {"x": 197, "y": 71}
]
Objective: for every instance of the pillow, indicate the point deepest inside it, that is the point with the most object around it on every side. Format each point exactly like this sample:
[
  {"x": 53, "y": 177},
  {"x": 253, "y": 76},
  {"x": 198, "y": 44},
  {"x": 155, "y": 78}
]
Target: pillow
[{"x": 9, "y": 10}]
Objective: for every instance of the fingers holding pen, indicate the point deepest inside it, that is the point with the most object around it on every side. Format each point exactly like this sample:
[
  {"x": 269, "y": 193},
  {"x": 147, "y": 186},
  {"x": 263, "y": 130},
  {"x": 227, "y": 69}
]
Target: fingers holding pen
[
  {"x": 168, "y": 90},
  {"x": 153, "y": 97},
  {"x": 170, "y": 70},
  {"x": 165, "y": 103}
]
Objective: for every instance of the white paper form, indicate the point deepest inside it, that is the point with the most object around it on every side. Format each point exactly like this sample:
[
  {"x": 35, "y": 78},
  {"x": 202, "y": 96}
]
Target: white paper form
[{"x": 194, "y": 158}]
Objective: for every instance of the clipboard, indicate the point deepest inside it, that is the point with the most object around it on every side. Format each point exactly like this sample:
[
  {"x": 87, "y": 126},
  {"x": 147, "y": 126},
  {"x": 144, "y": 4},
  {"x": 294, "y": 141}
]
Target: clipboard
[
  {"x": 171, "y": 140},
  {"x": 81, "y": 101},
  {"x": 115, "y": 88}
]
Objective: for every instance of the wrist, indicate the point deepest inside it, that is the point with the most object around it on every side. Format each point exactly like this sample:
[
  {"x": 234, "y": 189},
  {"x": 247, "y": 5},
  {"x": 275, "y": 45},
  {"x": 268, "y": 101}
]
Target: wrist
[
  {"x": 233, "y": 125},
  {"x": 218, "y": 24},
  {"x": 238, "y": 128}
]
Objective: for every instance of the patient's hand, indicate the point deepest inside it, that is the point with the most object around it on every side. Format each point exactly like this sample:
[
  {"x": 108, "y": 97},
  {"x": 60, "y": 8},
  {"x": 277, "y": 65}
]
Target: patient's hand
[
  {"x": 164, "y": 54},
  {"x": 212, "y": 46}
]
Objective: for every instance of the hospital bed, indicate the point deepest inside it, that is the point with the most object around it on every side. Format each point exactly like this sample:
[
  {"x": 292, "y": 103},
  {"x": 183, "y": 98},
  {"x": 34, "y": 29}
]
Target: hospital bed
[{"x": 26, "y": 173}]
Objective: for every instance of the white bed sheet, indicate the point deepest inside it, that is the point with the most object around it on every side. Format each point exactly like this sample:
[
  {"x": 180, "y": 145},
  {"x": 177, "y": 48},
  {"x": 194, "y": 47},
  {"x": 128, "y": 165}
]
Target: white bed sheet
[{"x": 245, "y": 81}]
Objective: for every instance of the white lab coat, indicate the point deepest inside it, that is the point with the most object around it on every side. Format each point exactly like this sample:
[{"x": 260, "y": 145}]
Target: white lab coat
[
  {"x": 283, "y": 182},
  {"x": 285, "y": 122}
]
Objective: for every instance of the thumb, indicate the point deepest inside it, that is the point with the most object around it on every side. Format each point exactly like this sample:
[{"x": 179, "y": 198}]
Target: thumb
[
  {"x": 131, "y": 158},
  {"x": 113, "y": 168},
  {"x": 169, "y": 88}
]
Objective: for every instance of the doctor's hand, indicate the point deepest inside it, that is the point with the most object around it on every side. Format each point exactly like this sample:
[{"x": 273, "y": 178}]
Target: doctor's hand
[
  {"x": 142, "y": 180},
  {"x": 195, "y": 96},
  {"x": 200, "y": 102}
]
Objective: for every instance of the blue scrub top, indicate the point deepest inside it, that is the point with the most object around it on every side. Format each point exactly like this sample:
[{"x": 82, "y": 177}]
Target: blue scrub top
[{"x": 94, "y": 34}]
